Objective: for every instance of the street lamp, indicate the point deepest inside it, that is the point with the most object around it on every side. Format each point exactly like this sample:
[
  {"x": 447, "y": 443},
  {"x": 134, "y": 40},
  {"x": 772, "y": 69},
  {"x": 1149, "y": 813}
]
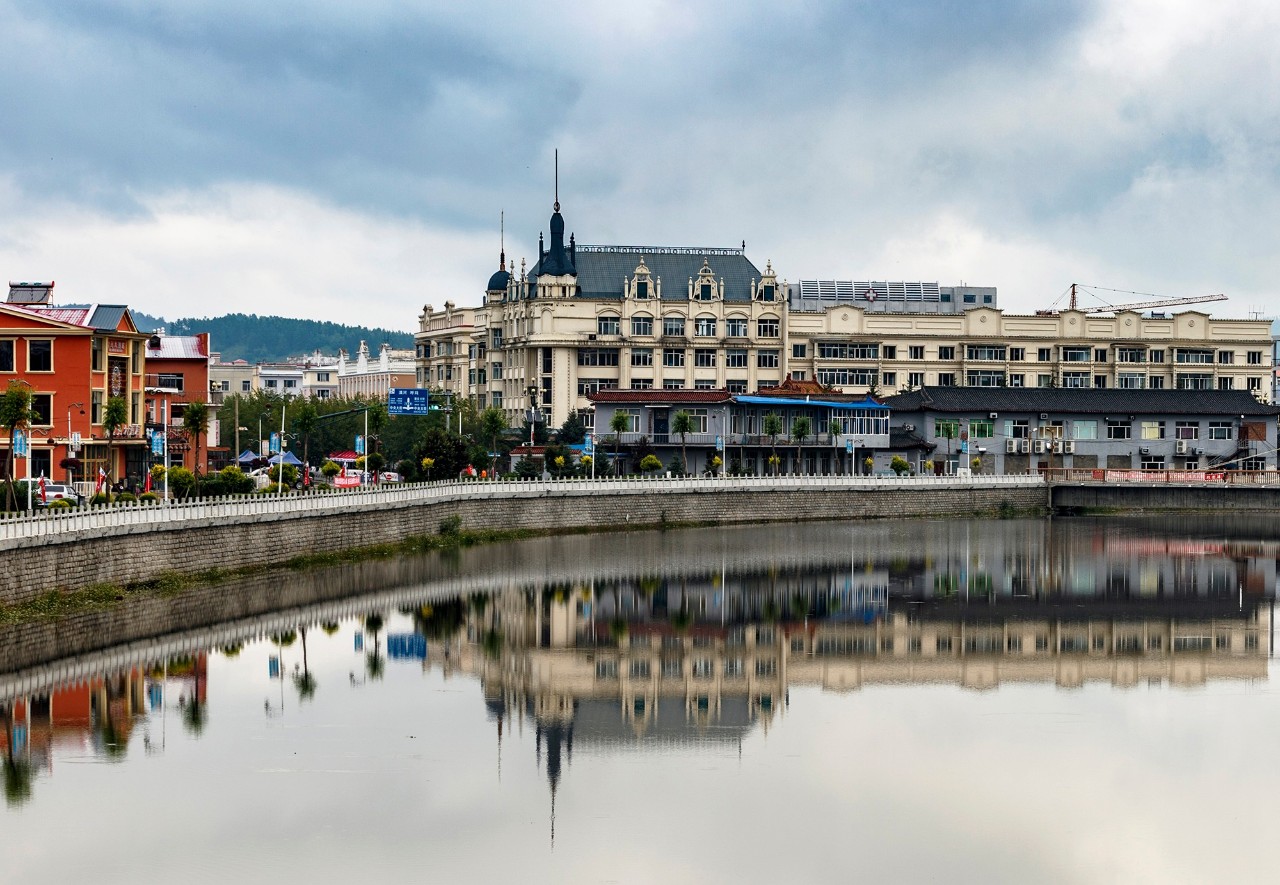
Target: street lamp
[{"x": 70, "y": 450}]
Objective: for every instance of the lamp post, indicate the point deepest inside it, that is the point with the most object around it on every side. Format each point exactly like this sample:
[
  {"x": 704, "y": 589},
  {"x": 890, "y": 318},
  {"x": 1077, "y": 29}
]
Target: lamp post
[{"x": 70, "y": 450}]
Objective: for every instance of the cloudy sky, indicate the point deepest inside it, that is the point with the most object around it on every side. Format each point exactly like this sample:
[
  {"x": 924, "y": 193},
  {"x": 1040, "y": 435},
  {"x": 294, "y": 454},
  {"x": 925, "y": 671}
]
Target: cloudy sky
[{"x": 350, "y": 161}]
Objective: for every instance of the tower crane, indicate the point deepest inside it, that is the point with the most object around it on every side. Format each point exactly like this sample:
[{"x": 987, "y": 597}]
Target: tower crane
[{"x": 1132, "y": 305}]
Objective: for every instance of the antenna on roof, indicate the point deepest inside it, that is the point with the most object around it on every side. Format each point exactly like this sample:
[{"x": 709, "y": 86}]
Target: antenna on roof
[
  {"x": 556, "y": 207},
  {"x": 502, "y": 241}
]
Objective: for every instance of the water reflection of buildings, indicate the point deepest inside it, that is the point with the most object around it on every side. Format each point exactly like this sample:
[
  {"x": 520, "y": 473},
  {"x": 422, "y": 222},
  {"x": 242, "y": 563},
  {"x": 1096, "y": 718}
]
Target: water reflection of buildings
[{"x": 97, "y": 716}]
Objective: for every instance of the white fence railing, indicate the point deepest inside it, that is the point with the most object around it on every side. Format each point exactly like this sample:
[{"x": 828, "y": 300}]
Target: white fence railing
[{"x": 59, "y": 521}]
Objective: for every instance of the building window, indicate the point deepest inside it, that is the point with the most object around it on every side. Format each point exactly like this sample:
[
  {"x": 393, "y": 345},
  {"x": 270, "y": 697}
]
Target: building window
[
  {"x": 846, "y": 377},
  {"x": 1186, "y": 355},
  {"x": 1131, "y": 381},
  {"x": 642, "y": 356},
  {"x": 1099, "y": 354},
  {"x": 736, "y": 386},
  {"x": 1254, "y": 384},
  {"x": 735, "y": 327},
  {"x": 39, "y": 355},
  {"x": 704, "y": 358},
  {"x": 705, "y": 327},
  {"x": 642, "y": 384},
  {"x": 704, "y": 384},
  {"x": 673, "y": 326},
  {"x": 704, "y": 292},
  {"x": 6, "y": 355},
  {"x": 767, "y": 359},
  {"x": 642, "y": 325},
  {"x": 673, "y": 357},
  {"x": 986, "y": 352},
  {"x": 597, "y": 356},
  {"x": 1186, "y": 430},
  {"x": 735, "y": 358},
  {"x": 1220, "y": 429},
  {"x": 984, "y": 379},
  {"x": 270, "y": 383},
  {"x": 839, "y": 350},
  {"x": 1255, "y": 357},
  {"x": 589, "y": 386},
  {"x": 1017, "y": 354},
  {"x": 946, "y": 379},
  {"x": 946, "y": 352},
  {"x": 642, "y": 289},
  {"x": 1075, "y": 379},
  {"x": 798, "y": 375},
  {"x": 798, "y": 351},
  {"x": 1131, "y": 355},
  {"x": 1044, "y": 355},
  {"x": 290, "y": 384},
  {"x": 1084, "y": 429},
  {"x": 1075, "y": 354},
  {"x": 608, "y": 324},
  {"x": 1017, "y": 380},
  {"x": 916, "y": 351},
  {"x": 1152, "y": 430},
  {"x": 42, "y": 409},
  {"x": 1152, "y": 462},
  {"x": 1226, "y": 357},
  {"x": 981, "y": 428},
  {"x": 1227, "y": 383},
  {"x": 1099, "y": 381},
  {"x": 767, "y": 327},
  {"x": 1156, "y": 356},
  {"x": 889, "y": 379},
  {"x": 1155, "y": 382},
  {"x": 915, "y": 379},
  {"x": 95, "y": 355},
  {"x": 1119, "y": 429},
  {"x": 246, "y": 386},
  {"x": 1194, "y": 382}
]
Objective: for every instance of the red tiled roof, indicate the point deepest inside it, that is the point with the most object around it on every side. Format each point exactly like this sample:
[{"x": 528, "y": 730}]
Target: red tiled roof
[
  {"x": 661, "y": 396},
  {"x": 791, "y": 386},
  {"x": 343, "y": 456}
]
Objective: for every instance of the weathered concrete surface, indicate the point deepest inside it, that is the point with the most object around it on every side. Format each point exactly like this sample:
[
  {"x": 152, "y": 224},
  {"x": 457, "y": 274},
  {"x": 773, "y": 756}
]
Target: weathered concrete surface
[{"x": 1165, "y": 496}]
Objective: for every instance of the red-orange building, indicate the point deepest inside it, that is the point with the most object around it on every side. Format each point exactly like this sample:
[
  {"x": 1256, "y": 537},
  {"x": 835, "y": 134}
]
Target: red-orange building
[
  {"x": 74, "y": 359},
  {"x": 177, "y": 374}
]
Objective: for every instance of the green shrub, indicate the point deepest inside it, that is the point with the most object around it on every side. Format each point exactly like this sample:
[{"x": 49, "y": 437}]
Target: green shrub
[
  {"x": 899, "y": 465},
  {"x": 148, "y": 498},
  {"x": 650, "y": 463},
  {"x": 451, "y": 526},
  {"x": 182, "y": 482},
  {"x": 330, "y": 469},
  {"x": 60, "y": 504},
  {"x": 99, "y": 500},
  {"x": 126, "y": 498}
]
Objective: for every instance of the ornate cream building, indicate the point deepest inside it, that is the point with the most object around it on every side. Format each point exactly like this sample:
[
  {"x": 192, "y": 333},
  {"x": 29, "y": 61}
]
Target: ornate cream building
[{"x": 586, "y": 318}]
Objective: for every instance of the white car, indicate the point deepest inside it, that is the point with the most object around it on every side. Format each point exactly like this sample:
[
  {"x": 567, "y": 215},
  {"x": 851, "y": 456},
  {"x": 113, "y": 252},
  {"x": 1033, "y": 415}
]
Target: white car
[{"x": 54, "y": 491}]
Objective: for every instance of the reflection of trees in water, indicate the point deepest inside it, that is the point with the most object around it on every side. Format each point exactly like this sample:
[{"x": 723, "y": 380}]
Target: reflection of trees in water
[
  {"x": 374, "y": 663},
  {"x": 19, "y": 773},
  {"x": 304, "y": 682}
]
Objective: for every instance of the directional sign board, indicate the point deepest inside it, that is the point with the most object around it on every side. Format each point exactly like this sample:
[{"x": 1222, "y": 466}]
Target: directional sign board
[{"x": 408, "y": 401}]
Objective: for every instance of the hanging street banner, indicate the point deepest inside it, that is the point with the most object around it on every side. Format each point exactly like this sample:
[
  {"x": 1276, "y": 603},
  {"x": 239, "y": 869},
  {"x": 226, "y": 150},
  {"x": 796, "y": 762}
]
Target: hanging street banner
[
  {"x": 359, "y": 443},
  {"x": 408, "y": 401}
]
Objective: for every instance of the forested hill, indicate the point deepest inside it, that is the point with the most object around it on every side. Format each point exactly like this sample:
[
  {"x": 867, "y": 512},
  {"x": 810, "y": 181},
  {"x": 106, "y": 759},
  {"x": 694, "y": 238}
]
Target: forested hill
[{"x": 239, "y": 336}]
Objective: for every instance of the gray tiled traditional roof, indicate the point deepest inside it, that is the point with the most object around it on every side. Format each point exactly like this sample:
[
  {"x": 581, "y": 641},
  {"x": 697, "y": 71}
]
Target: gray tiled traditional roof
[
  {"x": 1080, "y": 401},
  {"x": 107, "y": 317},
  {"x": 602, "y": 270}
]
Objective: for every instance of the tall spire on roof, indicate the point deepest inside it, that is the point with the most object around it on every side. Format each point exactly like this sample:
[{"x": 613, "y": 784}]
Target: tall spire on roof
[{"x": 556, "y": 261}]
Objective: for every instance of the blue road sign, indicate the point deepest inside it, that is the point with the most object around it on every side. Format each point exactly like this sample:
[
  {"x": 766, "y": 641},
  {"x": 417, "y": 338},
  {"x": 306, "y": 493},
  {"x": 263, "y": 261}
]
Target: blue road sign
[
  {"x": 408, "y": 401},
  {"x": 359, "y": 443}
]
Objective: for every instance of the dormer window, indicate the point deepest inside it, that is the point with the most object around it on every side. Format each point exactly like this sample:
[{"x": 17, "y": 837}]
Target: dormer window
[
  {"x": 640, "y": 281},
  {"x": 768, "y": 288},
  {"x": 766, "y": 292},
  {"x": 704, "y": 289}
]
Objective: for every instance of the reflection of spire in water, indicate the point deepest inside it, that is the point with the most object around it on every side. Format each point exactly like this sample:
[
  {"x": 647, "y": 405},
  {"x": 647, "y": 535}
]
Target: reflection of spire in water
[{"x": 559, "y": 739}]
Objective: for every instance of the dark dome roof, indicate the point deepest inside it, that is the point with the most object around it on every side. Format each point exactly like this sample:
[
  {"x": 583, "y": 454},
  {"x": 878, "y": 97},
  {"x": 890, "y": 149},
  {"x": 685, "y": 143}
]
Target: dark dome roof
[{"x": 498, "y": 282}]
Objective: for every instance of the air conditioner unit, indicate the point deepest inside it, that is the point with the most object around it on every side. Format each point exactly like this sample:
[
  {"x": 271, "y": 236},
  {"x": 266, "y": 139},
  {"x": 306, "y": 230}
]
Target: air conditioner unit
[
  {"x": 908, "y": 427},
  {"x": 591, "y": 337},
  {"x": 1011, "y": 445},
  {"x": 1057, "y": 446},
  {"x": 1038, "y": 446},
  {"x": 1180, "y": 447},
  {"x": 1069, "y": 447},
  {"x": 1144, "y": 451},
  {"x": 1024, "y": 446},
  {"x": 994, "y": 415},
  {"x": 1044, "y": 416},
  {"x": 1197, "y": 452}
]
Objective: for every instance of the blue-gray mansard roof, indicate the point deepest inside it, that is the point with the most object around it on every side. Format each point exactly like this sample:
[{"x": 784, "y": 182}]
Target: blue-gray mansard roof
[
  {"x": 1064, "y": 400},
  {"x": 603, "y": 270}
]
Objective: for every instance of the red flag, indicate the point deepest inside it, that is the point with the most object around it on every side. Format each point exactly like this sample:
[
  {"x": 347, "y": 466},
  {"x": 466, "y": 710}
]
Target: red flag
[
  {"x": 44, "y": 498},
  {"x": 146, "y": 486},
  {"x": 102, "y": 477}
]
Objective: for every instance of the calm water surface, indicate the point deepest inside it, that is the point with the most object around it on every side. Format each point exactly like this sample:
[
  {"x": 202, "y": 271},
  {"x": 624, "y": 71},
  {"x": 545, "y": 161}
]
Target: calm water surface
[{"x": 1011, "y": 701}]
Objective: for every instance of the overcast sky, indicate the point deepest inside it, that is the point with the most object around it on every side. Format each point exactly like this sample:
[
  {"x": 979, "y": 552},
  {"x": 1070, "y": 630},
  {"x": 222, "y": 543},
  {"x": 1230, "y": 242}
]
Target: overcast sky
[{"x": 349, "y": 161}]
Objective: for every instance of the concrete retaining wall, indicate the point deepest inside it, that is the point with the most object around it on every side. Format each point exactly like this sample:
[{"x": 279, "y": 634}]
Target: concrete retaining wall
[
  {"x": 127, "y": 554},
  {"x": 1166, "y": 496}
]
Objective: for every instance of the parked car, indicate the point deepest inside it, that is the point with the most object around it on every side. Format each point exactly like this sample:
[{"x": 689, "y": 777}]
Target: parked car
[{"x": 54, "y": 491}]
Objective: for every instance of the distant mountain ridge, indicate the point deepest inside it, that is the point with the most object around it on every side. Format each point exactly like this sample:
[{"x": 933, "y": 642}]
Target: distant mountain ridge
[{"x": 268, "y": 339}]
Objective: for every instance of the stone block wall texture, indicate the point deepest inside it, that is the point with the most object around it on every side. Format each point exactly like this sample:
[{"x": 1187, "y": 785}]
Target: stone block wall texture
[{"x": 131, "y": 554}]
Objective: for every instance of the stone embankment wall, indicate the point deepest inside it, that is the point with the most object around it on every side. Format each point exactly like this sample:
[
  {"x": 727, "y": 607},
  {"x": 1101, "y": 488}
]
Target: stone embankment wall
[
  {"x": 1166, "y": 496},
  {"x": 126, "y": 554}
]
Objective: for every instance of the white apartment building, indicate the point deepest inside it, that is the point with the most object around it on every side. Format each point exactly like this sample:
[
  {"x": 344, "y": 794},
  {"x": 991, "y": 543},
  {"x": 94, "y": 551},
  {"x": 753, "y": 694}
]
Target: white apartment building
[{"x": 366, "y": 378}]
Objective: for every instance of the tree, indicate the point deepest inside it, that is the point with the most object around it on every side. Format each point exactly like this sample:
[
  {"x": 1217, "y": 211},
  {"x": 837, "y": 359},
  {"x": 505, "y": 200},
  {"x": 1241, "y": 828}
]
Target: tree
[
  {"x": 682, "y": 423},
  {"x": 650, "y": 463},
  {"x": 492, "y": 422},
  {"x": 572, "y": 431},
  {"x": 304, "y": 682},
  {"x": 772, "y": 428},
  {"x": 620, "y": 423},
  {"x": 195, "y": 421},
  {"x": 15, "y": 414},
  {"x": 800, "y": 430},
  {"x": 306, "y": 419},
  {"x": 114, "y": 417}
]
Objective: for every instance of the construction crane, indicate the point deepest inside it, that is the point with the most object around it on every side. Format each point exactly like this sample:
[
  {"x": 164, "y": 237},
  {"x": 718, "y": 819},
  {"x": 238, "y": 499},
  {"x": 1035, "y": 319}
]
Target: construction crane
[{"x": 1132, "y": 305}]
